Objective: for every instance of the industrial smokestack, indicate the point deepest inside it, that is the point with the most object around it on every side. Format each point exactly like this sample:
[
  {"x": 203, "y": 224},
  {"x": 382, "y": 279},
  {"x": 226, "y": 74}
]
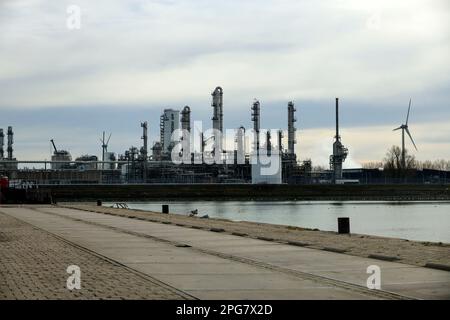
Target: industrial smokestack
[
  {"x": 256, "y": 118},
  {"x": 291, "y": 128},
  {"x": 339, "y": 151},
  {"x": 337, "y": 119},
  {"x": 10, "y": 143},
  {"x": 2, "y": 144}
]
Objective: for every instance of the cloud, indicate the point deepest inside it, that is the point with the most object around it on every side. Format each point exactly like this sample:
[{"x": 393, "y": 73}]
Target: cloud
[
  {"x": 130, "y": 52},
  {"x": 136, "y": 57}
]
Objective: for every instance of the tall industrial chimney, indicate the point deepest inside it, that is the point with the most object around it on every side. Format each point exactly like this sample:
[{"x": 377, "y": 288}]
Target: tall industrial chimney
[
  {"x": 291, "y": 128},
  {"x": 10, "y": 143},
  {"x": 256, "y": 118},
  {"x": 2, "y": 144},
  {"x": 217, "y": 104},
  {"x": 339, "y": 151},
  {"x": 337, "y": 119}
]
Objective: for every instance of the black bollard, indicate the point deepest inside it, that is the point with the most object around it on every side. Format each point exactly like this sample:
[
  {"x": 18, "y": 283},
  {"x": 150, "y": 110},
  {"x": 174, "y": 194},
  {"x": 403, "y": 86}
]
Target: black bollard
[
  {"x": 343, "y": 225},
  {"x": 99, "y": 203},
  {"x": 165, "y": 208}
]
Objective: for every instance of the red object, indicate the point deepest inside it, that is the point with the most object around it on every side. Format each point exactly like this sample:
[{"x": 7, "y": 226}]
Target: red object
[{"x": 4, "y": 183}]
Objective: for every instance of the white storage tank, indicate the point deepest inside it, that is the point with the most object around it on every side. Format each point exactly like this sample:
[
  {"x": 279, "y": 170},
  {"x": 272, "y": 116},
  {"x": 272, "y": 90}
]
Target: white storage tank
[{"x": 267, "y": 170}]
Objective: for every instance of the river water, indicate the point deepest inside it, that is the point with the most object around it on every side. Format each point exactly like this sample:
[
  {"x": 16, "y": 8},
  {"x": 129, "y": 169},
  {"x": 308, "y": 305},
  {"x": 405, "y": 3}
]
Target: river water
[{"x": 423, "y": 221}]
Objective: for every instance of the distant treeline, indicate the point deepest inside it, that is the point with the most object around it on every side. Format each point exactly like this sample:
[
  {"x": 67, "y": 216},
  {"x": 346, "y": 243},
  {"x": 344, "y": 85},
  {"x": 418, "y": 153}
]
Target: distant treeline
[{"x": 392, "y": 161}]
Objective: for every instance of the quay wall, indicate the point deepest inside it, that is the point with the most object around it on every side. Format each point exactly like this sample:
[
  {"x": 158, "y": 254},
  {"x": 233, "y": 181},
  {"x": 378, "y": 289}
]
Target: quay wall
[{"x": 244, "y": 192}]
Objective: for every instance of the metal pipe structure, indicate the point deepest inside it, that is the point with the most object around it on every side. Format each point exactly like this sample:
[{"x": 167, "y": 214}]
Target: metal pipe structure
[
  {"x": 256, "y": 118},
  {"x": 2, "y": 144},
  {"x": 217, "y": 104},
  {"x": 10, "y": 143},
  {"x": 291, "y": 128}
]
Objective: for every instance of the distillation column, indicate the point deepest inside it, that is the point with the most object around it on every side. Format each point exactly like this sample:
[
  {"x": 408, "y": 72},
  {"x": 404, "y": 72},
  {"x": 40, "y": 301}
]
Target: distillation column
[
  {"x": 256, "y": 118},
  {"x": 10, "y": 143},
  {"x": 186, "y": 127},
  {"x": 2, "y": 144},
  {"x": 161, "y": 130},
  {"x": 217, "y": 104},
  {"x": 144, "y": 150},
  {"x": 186, "y": 119},
  {"x": 240, "y": 146},
  {"x": 291, "y": 129},
  {"x": 280, "y": 141}
]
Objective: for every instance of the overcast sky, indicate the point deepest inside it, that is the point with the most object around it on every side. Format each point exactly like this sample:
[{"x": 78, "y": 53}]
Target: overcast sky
[{"x": 131, "y": 59}]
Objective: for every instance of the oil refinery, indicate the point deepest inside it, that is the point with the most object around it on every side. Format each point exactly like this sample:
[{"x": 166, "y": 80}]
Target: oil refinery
[{"x": 184, "y": 155}]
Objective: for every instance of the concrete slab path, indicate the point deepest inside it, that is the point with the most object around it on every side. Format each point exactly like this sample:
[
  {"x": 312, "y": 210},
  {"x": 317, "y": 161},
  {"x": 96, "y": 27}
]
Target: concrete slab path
[{"x": 214, "y": 265}]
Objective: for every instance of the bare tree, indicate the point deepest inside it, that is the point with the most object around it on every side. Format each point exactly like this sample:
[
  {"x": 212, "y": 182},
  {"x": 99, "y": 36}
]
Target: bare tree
[
  {"x": 393, "y": 160},
  {"x": 440, "y": 164},
  {"x": 373, "y": 165}
]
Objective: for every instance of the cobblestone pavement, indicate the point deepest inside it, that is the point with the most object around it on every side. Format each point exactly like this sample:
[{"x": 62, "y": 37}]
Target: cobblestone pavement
[
  {"x": 33, "y": 265},
  {"x": 403, "y": 251}
]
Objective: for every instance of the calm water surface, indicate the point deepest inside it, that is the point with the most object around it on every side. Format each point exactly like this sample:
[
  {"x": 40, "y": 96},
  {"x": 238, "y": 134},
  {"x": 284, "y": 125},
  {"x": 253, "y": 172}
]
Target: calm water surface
[{"x": 423, "y": 221}]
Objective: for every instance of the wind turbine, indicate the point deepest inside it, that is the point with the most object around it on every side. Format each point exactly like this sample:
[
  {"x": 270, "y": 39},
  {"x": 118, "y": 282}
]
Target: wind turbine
[
  {"x": 104, "y": 148},
  {"x": 404, "y": 127}
]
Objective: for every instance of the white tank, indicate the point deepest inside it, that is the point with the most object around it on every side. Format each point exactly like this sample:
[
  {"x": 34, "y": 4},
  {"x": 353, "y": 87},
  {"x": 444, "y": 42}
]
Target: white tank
[{"x": 267, "y": 171}]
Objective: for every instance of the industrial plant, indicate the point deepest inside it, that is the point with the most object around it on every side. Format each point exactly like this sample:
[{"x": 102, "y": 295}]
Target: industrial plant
[{"x": 184, "y": 156}]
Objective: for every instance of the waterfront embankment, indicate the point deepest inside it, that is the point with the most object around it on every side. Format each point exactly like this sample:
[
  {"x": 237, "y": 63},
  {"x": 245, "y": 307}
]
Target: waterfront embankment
[
  {"x": 244, "y": 192},
  {"x": 400, "y": 250}
]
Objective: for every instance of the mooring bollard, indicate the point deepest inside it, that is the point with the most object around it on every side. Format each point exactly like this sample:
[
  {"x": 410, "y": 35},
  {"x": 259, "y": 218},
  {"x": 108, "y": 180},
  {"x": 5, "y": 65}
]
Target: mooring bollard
[
  {"x": 165, "y": 208},
  {"x": 343, "y": 225},
  {"x": 99, "y": 203}
]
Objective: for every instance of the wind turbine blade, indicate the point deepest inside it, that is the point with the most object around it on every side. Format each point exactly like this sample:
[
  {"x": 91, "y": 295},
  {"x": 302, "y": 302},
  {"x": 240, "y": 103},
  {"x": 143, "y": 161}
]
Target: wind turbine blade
[
  {"x": 409, "y": 109},
  {"x": 107, "y": 142},
  {"x": 397, "y": 129},
  {"x": 412, "y": 140}
]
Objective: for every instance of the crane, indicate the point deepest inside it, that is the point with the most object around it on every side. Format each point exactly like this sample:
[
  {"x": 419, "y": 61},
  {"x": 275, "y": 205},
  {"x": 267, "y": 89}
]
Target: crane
[{"x": 54, "y": 147}]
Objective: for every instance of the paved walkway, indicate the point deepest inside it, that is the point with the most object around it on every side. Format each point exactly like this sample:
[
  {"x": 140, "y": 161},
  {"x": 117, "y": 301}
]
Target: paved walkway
[
  {"x": 33, "y": 265},
  {"x": 213, "y": 265},
  {"x": 408, "y": 252}
]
